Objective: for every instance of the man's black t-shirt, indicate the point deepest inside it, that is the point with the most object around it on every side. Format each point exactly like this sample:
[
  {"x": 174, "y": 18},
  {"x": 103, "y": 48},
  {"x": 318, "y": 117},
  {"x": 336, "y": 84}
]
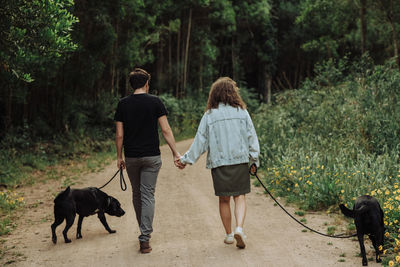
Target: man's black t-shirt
[{"x": 139, "y": 114}]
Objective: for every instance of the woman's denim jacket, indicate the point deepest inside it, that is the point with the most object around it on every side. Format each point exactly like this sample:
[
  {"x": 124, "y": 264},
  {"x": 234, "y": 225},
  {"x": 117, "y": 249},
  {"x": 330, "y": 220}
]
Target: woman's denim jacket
[{"x": 228, "y": 134}]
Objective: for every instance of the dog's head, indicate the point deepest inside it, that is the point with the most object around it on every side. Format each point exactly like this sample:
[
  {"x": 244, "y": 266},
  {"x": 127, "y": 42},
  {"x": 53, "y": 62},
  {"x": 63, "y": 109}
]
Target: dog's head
[{"x": 113, "y": 207}]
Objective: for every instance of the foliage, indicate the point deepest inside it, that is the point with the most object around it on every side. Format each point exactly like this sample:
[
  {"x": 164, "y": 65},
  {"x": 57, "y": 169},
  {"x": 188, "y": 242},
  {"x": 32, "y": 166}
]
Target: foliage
[{"x": 335, "y": 139}]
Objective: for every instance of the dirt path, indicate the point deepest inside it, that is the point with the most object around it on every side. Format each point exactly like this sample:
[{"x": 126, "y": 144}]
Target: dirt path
[{"x": 187, "y": 229}]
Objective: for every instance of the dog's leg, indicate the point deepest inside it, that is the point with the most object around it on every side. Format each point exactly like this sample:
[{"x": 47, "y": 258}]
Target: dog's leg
[
  {"x": 70, "y": 222},
  {"x": 57, "y": 222},
  {"x": 102, "y": 218},
  {"x": 361, "y": 241},
  {"x": 377, "y": 251},
  {"x": 78, "y": 231}
]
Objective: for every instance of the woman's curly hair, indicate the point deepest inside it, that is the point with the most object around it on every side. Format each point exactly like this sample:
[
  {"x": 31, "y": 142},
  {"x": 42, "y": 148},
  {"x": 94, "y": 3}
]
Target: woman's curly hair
[{"x": 224, "y": 90}]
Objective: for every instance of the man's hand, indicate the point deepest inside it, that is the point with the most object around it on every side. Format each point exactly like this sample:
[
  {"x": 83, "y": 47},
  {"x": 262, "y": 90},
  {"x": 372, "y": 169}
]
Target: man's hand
[{"x": 121, "y": 164}]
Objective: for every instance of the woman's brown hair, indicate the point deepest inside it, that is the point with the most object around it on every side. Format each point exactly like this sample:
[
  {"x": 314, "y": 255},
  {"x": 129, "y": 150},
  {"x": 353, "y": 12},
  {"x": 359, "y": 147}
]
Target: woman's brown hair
[{"x": 224, "y": 90}]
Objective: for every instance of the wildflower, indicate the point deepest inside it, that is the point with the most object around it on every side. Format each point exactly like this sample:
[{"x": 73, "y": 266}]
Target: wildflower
[
  {"x": 342, "y": 191},
  {"x": 296, "y": 185},
  {"x": 397, "y": 258},
  {"x": 387, "y": 192},
  {"x": 387, "y": 233},
  {"x": 380, "y": 248},
  {"x": 391, "y": 263},
  {"x": 384, "y": 252}
]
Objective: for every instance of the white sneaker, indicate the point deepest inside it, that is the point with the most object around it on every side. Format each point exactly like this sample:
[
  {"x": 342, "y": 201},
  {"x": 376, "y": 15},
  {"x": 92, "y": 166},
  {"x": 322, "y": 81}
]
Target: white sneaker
[
  {"x": 240, "y": 237},
  {"x": 229, "y": 239}
]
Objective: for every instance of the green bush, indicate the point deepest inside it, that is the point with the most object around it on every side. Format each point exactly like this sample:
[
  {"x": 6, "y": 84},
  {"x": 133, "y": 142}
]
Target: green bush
[{"x": 336, "y": 138}]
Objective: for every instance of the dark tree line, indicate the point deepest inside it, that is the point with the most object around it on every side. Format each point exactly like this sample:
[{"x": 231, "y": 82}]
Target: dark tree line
[{"x": 64, "y": 63}]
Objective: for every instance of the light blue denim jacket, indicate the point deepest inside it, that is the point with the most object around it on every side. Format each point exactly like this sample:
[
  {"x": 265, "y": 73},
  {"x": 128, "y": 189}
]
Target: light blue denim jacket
[{"x": 228, "y": 134}]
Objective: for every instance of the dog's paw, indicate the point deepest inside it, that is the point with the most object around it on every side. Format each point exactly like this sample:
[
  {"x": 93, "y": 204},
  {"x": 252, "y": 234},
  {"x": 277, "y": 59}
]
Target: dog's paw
[
  {"x": 112, "y": 231},
  {"x": 365, "y": 263},
  {"x": 54, "y": 239},
  {"x": 78, "y": 236},
  {"x": 67, "y": 240},
  {"x": 378, "y": 260}
]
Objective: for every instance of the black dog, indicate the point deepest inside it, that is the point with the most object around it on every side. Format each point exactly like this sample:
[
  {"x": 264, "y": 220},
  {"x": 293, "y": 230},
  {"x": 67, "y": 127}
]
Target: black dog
[
  {"x": 368, "y": 218},
  {"x": 85, "y": 202}
]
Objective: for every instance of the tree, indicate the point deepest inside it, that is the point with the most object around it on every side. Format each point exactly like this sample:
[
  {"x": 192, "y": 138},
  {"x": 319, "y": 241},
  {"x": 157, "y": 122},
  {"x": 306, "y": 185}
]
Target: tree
[{"x": 35, "y": 39}]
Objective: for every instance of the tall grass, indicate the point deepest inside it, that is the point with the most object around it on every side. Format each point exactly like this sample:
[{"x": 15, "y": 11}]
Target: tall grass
[{"x": 336, "y": 138}]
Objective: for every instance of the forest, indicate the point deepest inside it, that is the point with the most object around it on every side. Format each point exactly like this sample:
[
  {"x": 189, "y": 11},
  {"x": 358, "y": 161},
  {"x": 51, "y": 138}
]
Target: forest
[
  {"x": 320, "y": 78},
  {"x": 64, "y": 63}
]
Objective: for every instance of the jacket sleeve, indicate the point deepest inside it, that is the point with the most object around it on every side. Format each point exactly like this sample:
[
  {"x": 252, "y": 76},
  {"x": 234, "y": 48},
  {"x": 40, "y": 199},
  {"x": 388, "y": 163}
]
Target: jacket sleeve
[
  {"x": 254, "y": 146},
  {"x": 200, "y": 143}
]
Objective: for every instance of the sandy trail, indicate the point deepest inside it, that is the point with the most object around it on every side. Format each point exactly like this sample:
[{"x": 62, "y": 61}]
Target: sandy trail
[{"x": 187, "y": 229}]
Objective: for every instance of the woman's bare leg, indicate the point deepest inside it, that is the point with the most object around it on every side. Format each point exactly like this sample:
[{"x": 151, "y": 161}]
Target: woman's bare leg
[
  {"x": 240, "y": 210},
  {"x": 225, "y": 212}
]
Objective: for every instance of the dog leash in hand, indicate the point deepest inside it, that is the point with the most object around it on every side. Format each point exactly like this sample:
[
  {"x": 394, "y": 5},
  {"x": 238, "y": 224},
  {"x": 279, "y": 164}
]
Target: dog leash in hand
[
  {"x": 121, "y": 180},
  {"x": 290, "y": 215}
]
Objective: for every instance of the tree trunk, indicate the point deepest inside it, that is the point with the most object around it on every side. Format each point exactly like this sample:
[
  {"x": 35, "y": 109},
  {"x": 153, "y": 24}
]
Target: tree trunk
[
  {"x": 394, "y": 34},
  {"x": 169, "y": 61},
  {"x": 160, "y": 63},
  {"x": 363, "y": 11},
  {"x": 187, "y": 50},
  {"x": 127, "y": 85},
  {"x": 267, "y": 88},
  {"x": 178, "y": 74},
  {"x": 201, "y": 72},
  {"x": 234, "y": 75},
  {"x": 287, "y": 80},
  {"x": 7, "y": 117}
]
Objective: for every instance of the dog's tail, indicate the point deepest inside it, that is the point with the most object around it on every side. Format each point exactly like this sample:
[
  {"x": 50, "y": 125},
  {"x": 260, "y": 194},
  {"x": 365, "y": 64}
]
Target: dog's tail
[
  {"x": 347, "y": 212},
  {"x": 61, "y": 196}
]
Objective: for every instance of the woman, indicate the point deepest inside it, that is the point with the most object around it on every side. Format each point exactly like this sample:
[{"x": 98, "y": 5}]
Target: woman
[{"x": 227, "y": 133}]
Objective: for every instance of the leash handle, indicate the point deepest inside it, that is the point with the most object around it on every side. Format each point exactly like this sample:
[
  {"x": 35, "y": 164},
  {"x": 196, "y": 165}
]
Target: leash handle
[
  {"x": 122, "y": 180},
  {"x": 251, "y": 171},
  {"x": 254, "y": 173}
]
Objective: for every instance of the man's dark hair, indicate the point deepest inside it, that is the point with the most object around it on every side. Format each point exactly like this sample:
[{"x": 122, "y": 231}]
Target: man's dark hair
[{"x": 138, "y": 78}]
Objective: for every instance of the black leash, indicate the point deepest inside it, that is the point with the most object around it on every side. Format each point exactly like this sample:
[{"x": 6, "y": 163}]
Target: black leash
[
  {"x": 291, "y": 216},
  {"x": 121, "y": 180}
]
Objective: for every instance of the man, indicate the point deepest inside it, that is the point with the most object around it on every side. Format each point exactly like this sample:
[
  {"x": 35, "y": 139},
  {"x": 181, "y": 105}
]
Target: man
[{"x": 137, "y": 118}]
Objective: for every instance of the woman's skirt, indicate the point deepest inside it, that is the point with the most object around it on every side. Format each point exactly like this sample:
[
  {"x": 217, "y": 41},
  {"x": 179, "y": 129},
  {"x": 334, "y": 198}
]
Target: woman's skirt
[{"x": 231, "y": 180}]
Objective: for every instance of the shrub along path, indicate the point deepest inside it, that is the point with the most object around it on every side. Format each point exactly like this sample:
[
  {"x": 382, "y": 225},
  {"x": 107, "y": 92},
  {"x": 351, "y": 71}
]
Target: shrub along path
[{"x": 187, "y": 229}]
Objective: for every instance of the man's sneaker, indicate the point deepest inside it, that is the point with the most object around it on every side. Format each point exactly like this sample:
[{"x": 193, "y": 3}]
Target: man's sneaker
[
  {"x": 229, "y": 239},
  {"x": 240, "y": 237}
]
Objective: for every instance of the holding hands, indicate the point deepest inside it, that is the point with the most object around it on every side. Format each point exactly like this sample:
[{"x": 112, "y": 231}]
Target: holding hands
[{"x": 178, "y": 163}]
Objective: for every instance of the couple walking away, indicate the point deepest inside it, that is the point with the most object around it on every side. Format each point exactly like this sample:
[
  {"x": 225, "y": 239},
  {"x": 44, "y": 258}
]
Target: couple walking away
[{"x": 226, "y": 132}]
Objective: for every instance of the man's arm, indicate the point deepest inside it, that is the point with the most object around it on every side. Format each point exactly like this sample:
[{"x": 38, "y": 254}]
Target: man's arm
[
  {"x": 169, "y": 136},
  {"x": 119, "y": 140}
]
